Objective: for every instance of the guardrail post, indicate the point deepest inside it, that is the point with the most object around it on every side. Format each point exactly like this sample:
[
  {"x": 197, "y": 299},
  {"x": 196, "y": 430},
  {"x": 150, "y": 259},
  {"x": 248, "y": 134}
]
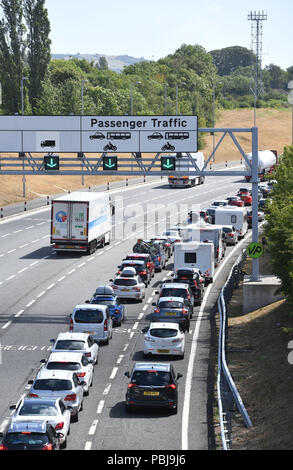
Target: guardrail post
[
  {"x": 24, "y": 206},
  {"x": 1, "y": 212},
  {"x": 48, "y": 202}
]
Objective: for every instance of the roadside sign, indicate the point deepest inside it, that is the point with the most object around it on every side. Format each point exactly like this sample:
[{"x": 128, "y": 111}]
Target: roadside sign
[{"x": 254, "y": 250}]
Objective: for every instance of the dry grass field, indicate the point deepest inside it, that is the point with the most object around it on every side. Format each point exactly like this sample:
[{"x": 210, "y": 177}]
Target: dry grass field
[{"x": 274, "y": 133}]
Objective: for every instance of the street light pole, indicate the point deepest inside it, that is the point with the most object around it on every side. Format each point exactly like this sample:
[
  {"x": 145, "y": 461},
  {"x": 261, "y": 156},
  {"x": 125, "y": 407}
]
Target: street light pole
[
  {"x": 165, "y": 99},
  {"x": 290, "y": 100},
  {"x": 214, "y": 115},
  {"x": 131, "y": 97},
  {"x": 22, "y": 113},
  {"x": 82, "y": 90},
  {"x": 177, "y": 86}
]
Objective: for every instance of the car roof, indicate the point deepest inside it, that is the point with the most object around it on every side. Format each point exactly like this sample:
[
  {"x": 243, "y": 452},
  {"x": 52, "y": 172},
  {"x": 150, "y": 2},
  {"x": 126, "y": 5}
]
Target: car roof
[
  {"x": 136, "y": 255},
  {"x": 64, "y": 356},
  {"x": 54, "y": 374},
  {"x": 28, "y": 426},
  {"x": 41, "y": 400},
  {"x": 164, "y": 367},
  {"x": 171, "y": 299},
  {"x": 130, "y": 261},
  {"x": 174, "y": 285},
  {"x": 164, "y": 325},
  {"x": 73, "y": 335},
  {"x": 90, "y": 307}
]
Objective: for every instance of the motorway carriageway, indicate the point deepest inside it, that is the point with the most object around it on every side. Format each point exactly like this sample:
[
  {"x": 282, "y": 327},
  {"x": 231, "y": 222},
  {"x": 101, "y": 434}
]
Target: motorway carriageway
[{"x": 39, "y": 290}]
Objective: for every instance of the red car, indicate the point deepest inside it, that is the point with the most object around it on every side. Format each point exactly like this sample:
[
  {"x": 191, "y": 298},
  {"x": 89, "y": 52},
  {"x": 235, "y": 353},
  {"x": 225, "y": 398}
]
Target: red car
[
  {"x": 143, "y": 257},
  {"x": 246, "y": 198},
  {"x": 235, "y": 201}
]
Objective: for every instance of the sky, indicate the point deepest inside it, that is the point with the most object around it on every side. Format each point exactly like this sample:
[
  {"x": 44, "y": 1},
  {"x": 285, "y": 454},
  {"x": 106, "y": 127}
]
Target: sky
[{"x": 155, "y": 28}]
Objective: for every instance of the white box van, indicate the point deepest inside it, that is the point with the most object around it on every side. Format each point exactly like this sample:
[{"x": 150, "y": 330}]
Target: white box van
[
  {"x": 235, "y": 216},
  {"x": 205, "y": 232},
  {"x": 93, "y": 319},
  {"x": 81, "y": 221},
  {"x": 195, "y": 255}
]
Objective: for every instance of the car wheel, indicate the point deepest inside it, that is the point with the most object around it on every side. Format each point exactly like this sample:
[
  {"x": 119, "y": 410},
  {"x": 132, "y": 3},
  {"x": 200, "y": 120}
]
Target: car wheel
[
  {"x": 74, "y": 418},
  {"x": 174, "y": 410},
  {"x": 64, "y": 444}
]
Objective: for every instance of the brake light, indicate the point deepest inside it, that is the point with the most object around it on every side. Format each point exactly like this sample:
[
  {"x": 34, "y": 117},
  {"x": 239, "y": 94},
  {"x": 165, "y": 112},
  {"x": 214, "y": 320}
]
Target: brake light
[
  {"x": 71, "y": 397},
  {"x": 114, "y": 287},
  {"x": 59, "y": 426},
  {"x": 106, "y": 325},
  {"x": 131, "y": 385},
  {"x": 137, "y": 289},
  {"x": 173, "y": 386},
  {"x": 157, "y": 310},
  {"x": 177, "y": 340},
  {"x": 81, "y": 374},
  {"x": 159, "y": 258},
  {"x": 47, "y": 447},
  {"x": 195, "y": 284},
  {"x": 71, "y": 324},
  {"x": 32, "y": 395},
  {"x": 2, "y": 447},
  {"x": 88, "y": 354},
  {"x": 143, "y": 272},
  {"x": 184, "y": 311}
]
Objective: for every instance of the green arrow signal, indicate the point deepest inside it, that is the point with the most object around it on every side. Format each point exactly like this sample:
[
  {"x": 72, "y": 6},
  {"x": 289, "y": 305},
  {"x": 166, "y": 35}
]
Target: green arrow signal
[
  {"x": 52, "y": 163},
  {"x": 109, "y": 164},
  {"x": 167, "y": 164}
]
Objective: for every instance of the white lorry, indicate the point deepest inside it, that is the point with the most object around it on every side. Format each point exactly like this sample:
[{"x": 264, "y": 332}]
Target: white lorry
[
  {"x": 186, "y": 164},
  {"x": 204, "y": 232},
  {"x": 195, "y": 255},
  {"x": 235, "y": 216},
  {"x": 81, "y": 221},
  {"x": 267, "y": 159}
]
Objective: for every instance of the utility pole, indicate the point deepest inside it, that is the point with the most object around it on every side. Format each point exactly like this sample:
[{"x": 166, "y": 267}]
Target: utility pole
[{"x": 22, "y": 113}]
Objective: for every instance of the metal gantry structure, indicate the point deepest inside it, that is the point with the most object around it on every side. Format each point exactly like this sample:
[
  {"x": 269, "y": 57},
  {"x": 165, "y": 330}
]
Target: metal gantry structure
[{"x": 140, "y": 165}]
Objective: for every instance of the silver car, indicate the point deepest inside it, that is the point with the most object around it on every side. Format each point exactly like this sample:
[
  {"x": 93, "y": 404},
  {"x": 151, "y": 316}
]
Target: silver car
[
  {"x": 230, "y": 236},
  {"x": 40, "y": 409},
  {"x": 59, "y": 384}
]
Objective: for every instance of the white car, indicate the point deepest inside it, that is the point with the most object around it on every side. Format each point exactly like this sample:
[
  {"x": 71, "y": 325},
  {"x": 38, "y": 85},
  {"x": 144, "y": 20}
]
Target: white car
[
  {"x": 165, "y": 339},
  {"x": 76, "y": 362},
  {"x": 173, "y": 236},
  {"x": 129, "y": 287},
  {"x": 59, "y": 384},
  {"x": 220, "y": 203},
  {"x": 48, "y": 409},
  {"x": 76, "y": 342}
]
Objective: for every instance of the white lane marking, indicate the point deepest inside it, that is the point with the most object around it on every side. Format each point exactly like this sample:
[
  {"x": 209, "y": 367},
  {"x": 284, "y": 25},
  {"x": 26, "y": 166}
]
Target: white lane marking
[
  {"x": 140, "y": 316},
  {"x": 51, "y": 285},
  {"x": 107, "y": 389},
  {"x": 120, "y": 358},
  {"x": 61, "y": 278},
  {"x": 6, "y": 325},
  {"x": 93, "y": 427},
  {"x": 88, "y": 445},
  {"x": 113, "y": 373},
  {"x": 10, "y": 277},
  {"x": 125, "y": 347},
  {"x": 41, "y": 293},
  {"x": 100, "y": 406},
  {"x": 191, "y": 361},
  {"x": 19, "y": 313},
  {"x": 30, "y": 303}
]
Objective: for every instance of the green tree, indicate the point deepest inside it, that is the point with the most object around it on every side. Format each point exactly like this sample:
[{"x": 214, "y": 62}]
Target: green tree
[
  {"x": 12, "y": 49},
  {"x": 38, "y": 42},
  {"x": 228, "y": 59},
  {"x": 279, "y": 226}
]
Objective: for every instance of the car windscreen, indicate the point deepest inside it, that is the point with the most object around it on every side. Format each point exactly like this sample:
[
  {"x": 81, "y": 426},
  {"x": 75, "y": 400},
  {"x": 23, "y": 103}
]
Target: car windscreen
[
  {"x": 70, "y": 345},
  {"x": 139, "y": 258},
  {"x": 88, "y": 316},
  {"x": 125, "y": 282},
  {"x": 170, "y": 304},
  {"x": 54, "y": 365},
  {"x": 151, "y": 378},
  {"x": 174, "y": 292},
  {"x": 38, "y": 409},
  {"x": 52, "y": 384},
  {"x": 227, "y": 230},
  {"x": 163, "y": 332}
]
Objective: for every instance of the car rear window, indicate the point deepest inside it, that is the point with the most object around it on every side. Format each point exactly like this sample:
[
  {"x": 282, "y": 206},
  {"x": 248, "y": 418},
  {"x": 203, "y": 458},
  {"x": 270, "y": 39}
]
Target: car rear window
[
  {"x": 170, "y": 304},
  {"x": 70, "y": 345},
  {"x": 181, "y": 273},
  {"x": 63, "y": 365},
  {"x": 174, "y": 292},
  {"x": 125, "y": 282},
  {"x": 88, "y": 316},
  {"x": 39, "y": 409},
  {"x": 151, "y": 378},
  {"x": 109, "y": 302},
  {"x": 32, "y": 438},
  {"x": 52, "y": 384},
  {"x": 163, "y": 332}
]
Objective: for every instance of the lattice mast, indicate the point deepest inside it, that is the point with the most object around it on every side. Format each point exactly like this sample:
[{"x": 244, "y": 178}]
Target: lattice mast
[{"x": 257, "y": 19}]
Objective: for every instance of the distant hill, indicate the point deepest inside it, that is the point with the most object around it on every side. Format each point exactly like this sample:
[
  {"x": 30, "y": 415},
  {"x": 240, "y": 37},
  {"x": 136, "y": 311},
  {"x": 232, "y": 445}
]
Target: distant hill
[{"x": 115, "y": 62}]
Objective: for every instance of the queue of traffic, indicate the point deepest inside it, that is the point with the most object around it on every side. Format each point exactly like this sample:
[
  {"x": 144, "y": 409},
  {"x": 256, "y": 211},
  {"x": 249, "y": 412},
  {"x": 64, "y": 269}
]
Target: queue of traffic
[{"x": 42, "y": 418}]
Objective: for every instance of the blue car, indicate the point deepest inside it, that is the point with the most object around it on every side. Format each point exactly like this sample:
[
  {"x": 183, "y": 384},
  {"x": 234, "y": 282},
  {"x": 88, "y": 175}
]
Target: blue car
[{"x": 117, "y": 309}]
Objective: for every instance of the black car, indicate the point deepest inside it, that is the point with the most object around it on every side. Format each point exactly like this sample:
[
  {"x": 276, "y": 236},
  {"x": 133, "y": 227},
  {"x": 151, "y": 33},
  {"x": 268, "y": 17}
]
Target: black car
[
  {"x": 152, "y": 385},
  {"x": 30, "y": 435},
  {"x": 180, "y": 289},
  {"x": 195, "y": 281},
  {"x": 174, "y": 310}
]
